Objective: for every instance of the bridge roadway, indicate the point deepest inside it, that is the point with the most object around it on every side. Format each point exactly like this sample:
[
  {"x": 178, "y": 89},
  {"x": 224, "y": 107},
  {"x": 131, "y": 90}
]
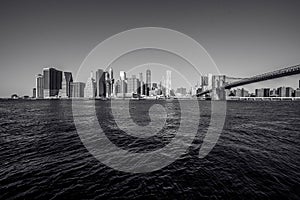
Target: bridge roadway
[{"x": 288, "y": 71}]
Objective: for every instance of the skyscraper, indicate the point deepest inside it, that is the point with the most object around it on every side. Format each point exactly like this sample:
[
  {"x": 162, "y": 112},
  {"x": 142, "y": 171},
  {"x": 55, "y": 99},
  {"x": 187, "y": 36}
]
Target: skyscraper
[
  {"x": 117, "y": 88},
  {"x": 111, "y": 76},
  {"x": 148, "y": 81},
  {"x": 52, "y": 82},
  {"x": 39, "y": 86},
  {"x": 67, "y": 79},
  {"x": 141, "y": 84},
  {"x": 132, "y": 84},
  {"x": 100, "y": 81},
  {"x": 90, "y": 87},
  {"x": 163, "y": 88},
  {"x": 107, "y": 84},
  {"x": 122, "y": 75},
  {"x": 209, "y": 81},
  {"x": 77, "y": 89},
  {"x": 168, "y": 83}
]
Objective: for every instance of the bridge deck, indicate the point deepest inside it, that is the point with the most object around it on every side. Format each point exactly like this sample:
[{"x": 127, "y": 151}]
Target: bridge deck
[{"x": 288, "y": 71}]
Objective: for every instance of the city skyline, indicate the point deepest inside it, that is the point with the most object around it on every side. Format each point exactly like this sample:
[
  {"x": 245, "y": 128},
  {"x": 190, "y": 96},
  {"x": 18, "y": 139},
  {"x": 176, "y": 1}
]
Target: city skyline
[
  {"x": 241, "y": 44},
  {"x": 56, "y": 83}
]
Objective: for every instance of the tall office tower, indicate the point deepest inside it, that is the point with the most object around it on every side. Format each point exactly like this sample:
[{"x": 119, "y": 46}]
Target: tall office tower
[
  {"x": 90, "y": 87},
  {"x": 77, "y": 89},
  {"x": 148, "y": 81},
  {"x": 39, "y": 86},
  {"x": 117, "y": 87},
  {"x": 168, "y": 83},
  {"x": 107, "y": 84},
  {"x": 52, "y": 82},
  {"x": 123, "y": 88},
  {"x": 209, "y": 81},
  {"x": 111, "y": 75},
  {"x": 66, "y": 82},
  {"x": 141, "y": 84},
  {"x": 132, "y": 85},
  {"x": 100, "y": 81},
  {"x": 122, "y": 75},
  {"x": 163, "y": 86},
  {"x": 34, "y": 93},
  {"x": 69, "y": 79}
]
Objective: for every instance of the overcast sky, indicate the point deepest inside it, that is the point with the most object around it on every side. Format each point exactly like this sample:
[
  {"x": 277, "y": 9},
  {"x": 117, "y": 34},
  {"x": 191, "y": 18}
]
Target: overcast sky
[{"x": 244, "y": 38}]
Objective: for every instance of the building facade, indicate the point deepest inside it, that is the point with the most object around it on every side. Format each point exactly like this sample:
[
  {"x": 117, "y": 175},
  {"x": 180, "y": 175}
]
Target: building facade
[
  {"x": 52, "y": 82},
  {"x": 132, "y": 85},
  {"x": 39, "y": 86},
  {"x": 100, "y": 83},
  {"x": 77, "y": 89},
  {"x": 148, "y": 81},
  {"x": 168, "y": 83},
  {"x": 90, "y": 87},
  {"x": 67, "y": 79}
]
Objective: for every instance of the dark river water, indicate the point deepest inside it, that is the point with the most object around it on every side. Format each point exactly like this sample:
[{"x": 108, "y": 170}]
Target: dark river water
[{"x": 257, "y": 155}]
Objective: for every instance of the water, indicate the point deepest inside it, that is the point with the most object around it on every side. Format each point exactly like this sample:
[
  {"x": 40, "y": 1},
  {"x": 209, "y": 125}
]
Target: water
[{"x": 256, "y": 157}]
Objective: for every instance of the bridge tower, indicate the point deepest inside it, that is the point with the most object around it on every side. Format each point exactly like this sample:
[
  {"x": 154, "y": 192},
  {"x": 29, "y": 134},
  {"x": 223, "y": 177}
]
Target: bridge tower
[{"x": 218, "y": 91}]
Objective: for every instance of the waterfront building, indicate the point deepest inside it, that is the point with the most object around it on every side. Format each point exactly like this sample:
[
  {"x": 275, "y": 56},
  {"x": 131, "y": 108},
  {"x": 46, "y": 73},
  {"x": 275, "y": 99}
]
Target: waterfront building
[
  {"x": 34, "y": 93},
  {"x": 39, "y": 86},
  {"x": 181, "y": 91},
  {"x": 123, "y": 75},
  {"x": 77, "y": 89},
  {"x": 107, "y": 84},
  {"x": 163, "y": 88},
  {"x": 168, "y": 83},
  {"x": 90, "y": 87},
  {"x": 100, "y": 83},
  {"x": 209, "y": 81},
  {"x": 262, "y": 92},
  {"x": 281, "y": 91},
  {"x": 148, "y": 81},
  {"x": 67, "y": 79},
  {"x": 132, "y": 84},
  {"x": 289, "y": 92},
  {"x": 141, "y": 85},
  {"x": 273, "y": 93},
  {"x": 240, "y": 92},
  {"x": 122, "y": 90},
  {"x": 111, "y": 81},
  {"x": 297, "y": 92},
  {"x": 52, "y": 82},
  {"x": 117, "y": 87}
]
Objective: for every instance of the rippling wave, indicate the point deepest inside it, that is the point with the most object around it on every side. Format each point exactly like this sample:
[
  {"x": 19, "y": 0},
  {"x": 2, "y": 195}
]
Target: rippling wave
[{"x": 256, "y": 157}]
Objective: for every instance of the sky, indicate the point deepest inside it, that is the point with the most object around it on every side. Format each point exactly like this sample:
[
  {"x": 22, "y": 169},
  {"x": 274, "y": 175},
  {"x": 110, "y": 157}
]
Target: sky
[{"x": 244, "y": 38}]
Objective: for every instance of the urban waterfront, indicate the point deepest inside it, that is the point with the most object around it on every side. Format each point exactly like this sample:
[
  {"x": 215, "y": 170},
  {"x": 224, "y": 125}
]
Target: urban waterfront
[{"x": 256, "y": 156}]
